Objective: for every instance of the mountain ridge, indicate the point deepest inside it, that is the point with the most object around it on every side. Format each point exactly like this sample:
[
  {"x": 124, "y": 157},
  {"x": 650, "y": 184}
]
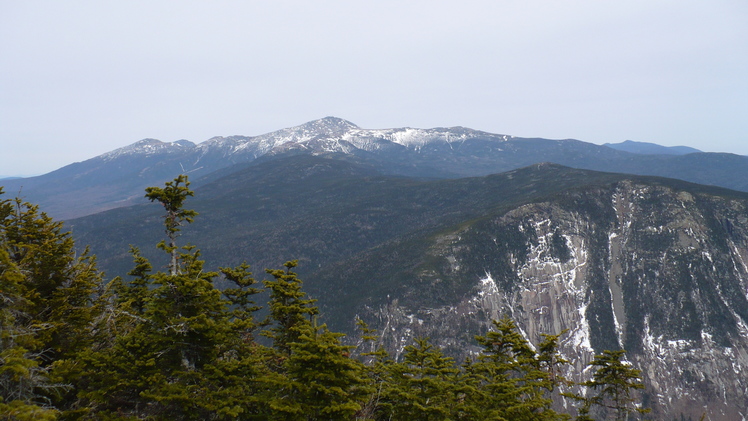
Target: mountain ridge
[
  {"x": 650, "y": 148},
  {"x": 116, "y": 178}
]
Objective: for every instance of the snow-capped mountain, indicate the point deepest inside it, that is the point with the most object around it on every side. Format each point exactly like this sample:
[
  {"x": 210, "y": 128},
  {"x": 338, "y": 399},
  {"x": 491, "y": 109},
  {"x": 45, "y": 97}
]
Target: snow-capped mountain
[
  {"x": 149, "y": 147},
  {"x": 331, "y": 134}
]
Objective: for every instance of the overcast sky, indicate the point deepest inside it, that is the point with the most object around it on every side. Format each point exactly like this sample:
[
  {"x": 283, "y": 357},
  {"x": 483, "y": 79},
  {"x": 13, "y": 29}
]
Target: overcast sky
[{"x": 80, "y": 78}]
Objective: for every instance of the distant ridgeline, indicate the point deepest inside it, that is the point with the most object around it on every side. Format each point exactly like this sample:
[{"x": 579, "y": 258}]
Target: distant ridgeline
[
  {"x": 651, "y": 148},
  {"x": 115, "y": 179}
]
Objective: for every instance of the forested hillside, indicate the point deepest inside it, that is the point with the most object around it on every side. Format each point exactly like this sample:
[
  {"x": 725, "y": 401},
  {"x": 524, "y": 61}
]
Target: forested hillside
[
  {"x": 169, "y": 345},
  {"x": 651, "y": 265}
]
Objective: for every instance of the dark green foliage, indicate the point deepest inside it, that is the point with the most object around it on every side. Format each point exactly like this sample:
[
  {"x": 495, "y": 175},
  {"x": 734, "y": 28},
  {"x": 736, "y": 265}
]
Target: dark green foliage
[
  {"x": 376, "y": 370},
  {"x": 559, "y": 249},
  {"x": 20, "y": 373},
  {"x": 134, "y": 295},
  {"x": 612, "y": 389},
  {"x": 508, "y": 380},
  {"x": 422, "y": 387},
  {"x": 172, "y": 197},
  {"x": 46, "y": 309},
  {"x": 180, "y": 348},
  {"x": 58, "y": 284},
  {"x": 512, "y": 381},
  {"x": 290, "y": 310},
  {"x": 312, "y": 375},
  {"x": 318, "y": 380}
]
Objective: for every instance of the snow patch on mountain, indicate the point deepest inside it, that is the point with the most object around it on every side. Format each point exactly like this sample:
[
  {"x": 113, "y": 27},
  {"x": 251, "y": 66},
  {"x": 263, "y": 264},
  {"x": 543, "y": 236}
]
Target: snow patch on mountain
[
  {"x": 417, "y": 138},
  {"x": 149, "y": 147},
  {"x": 332, "y": 134},
  {"x": 325, "y": 135}
]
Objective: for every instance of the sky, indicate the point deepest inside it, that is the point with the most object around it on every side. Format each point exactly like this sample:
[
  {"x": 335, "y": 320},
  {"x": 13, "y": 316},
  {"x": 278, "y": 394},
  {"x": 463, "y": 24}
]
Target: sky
[{"x": 81, "y": 78}]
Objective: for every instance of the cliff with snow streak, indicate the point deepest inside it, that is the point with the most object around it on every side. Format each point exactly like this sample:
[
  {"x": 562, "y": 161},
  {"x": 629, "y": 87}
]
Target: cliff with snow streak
[{"x": 656, "y": 270}]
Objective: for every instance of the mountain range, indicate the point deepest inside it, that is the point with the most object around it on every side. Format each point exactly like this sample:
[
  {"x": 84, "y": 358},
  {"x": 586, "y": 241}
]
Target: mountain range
[
  {"x": 435, "y": 232},
  {"x": 118, "y": 178}
]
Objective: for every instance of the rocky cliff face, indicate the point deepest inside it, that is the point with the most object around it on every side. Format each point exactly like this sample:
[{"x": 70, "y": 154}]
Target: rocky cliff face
[{"x": 659, "y": 271}]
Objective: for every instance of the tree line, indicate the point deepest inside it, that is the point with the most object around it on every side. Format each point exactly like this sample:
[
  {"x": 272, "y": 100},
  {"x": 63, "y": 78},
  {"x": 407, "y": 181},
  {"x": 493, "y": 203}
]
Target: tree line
[{"x": 171, "y": 345}]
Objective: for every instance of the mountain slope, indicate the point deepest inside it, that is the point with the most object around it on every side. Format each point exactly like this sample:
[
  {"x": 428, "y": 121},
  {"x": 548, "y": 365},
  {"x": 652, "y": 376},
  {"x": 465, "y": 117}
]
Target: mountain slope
[{"x": 261, "y": 211}]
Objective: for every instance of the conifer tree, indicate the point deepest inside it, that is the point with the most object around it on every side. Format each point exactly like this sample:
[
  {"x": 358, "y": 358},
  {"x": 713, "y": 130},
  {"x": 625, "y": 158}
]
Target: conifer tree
[
  {"x": 312, "y": 375},
  {"x": 20, "y": 374},
  {"x": 183, "y": 349},
  {"x": 511, "y": 381},
  {"x": 320, "y": 380},
  {"x": 47, "y": 296},
  {"x": 290, "y": 309},
  {"x": 133, "y": 295},
  {"x": 172, "y": 197},
  {"x": 470, "y": 393},
  {"x": 422, "y": 387},
  {"x": 58, "y": 285},
  {"x": 377, "y": 370},
  {"x": 551, "y": 362},
  {"x": 231, "y": 388},
  {"x": 612, "y": 388}
]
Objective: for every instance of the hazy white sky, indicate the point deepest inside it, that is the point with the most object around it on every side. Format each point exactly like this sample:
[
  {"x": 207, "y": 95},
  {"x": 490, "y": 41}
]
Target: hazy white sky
[{"x": 80, "y": 78}]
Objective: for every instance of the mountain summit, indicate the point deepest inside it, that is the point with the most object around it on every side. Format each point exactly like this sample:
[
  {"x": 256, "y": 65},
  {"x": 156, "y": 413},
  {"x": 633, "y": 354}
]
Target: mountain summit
[
  {"x": 149, "y": 147},
  {"x": 332, "y": 134}
]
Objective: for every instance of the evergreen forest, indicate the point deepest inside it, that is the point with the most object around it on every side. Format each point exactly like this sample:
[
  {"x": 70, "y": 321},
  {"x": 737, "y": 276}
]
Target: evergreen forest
[{"x": 188, "y": 343}]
